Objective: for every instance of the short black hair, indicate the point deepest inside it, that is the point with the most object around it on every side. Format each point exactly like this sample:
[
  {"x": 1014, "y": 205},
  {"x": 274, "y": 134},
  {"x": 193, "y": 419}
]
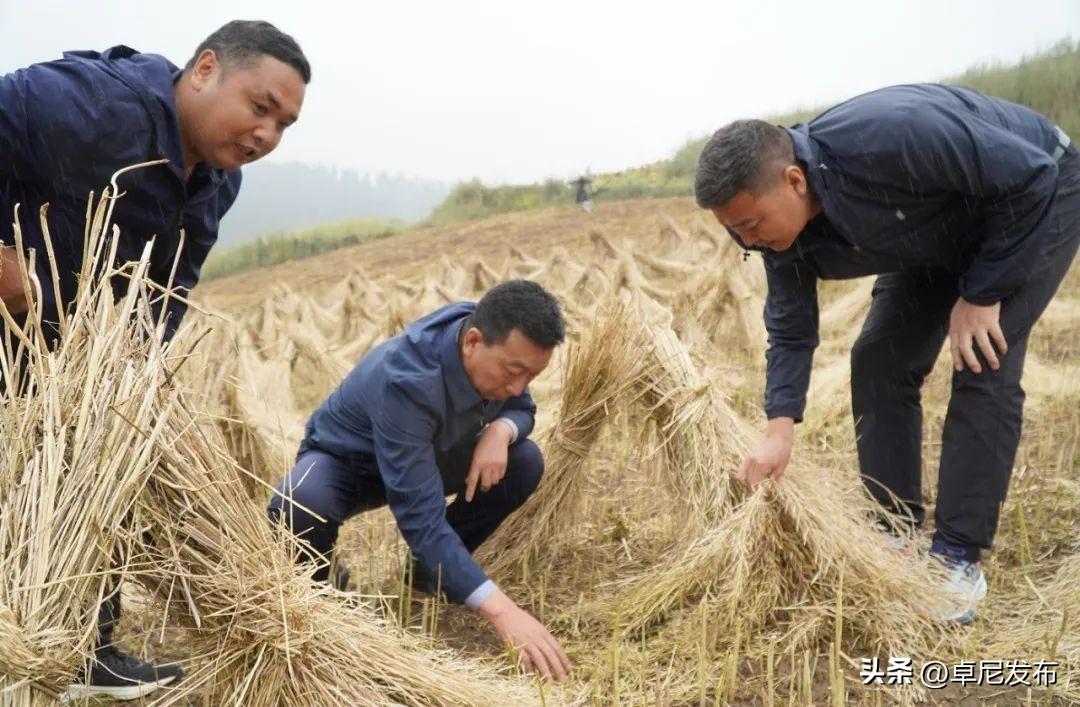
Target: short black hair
[
  {"x": 746, "y": 154},
  {"x": 242, "y": 42},
  {"x": 522, "y": 305}
]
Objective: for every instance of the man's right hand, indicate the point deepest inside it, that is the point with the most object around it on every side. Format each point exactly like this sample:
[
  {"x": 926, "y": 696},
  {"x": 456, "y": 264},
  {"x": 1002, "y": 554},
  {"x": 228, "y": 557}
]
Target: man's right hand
[
  {"x": 770, "y": 458},
  {"x": 13, "y": 291},
  {"x": 537, "y": 650}
]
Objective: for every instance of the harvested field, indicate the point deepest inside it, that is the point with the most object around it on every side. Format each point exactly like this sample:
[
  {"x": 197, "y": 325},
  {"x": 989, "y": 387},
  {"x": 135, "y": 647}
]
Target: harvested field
[{"x": 665, "y": 581}]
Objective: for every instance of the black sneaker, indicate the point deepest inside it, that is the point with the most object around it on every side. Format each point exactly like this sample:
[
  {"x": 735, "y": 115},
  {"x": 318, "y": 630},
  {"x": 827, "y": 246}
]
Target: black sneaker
[{"x": 120, "y": 676}]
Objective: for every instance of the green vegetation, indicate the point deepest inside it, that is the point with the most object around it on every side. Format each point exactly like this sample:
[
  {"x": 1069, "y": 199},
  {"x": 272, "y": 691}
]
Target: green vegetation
[
  {"x": 1049, "y": 82},
  {"x": 472, "y": 200},
  {"x": 280, "y": 247}
]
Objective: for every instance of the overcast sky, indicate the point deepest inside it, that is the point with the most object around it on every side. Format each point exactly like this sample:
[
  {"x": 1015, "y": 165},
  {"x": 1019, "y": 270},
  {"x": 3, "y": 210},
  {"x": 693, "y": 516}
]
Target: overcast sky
[{"x": 515, "y": 91}]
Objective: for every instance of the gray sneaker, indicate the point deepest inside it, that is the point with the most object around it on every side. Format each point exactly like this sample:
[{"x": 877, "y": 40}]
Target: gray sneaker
[{"x": 965, "y": 586}]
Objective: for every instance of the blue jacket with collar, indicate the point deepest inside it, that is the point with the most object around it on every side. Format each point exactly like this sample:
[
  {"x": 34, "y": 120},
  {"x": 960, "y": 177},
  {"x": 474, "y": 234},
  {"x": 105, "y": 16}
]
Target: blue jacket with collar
[
  {"x": 407, "y": 398},
  {"x": 65, "y": 127},
  {"x": 916, "y": 176}
]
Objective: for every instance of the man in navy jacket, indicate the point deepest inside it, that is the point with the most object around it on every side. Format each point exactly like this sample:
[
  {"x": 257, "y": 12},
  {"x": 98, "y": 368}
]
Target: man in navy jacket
[
  {"x": 67, "y": 126},
  {"x": 967, "y": 207},
  {"x": 442, "y": 408}
]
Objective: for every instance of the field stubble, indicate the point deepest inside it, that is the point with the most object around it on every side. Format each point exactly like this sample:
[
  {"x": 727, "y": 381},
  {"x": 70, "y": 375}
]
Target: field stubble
[{"x": 666, "y": 583}]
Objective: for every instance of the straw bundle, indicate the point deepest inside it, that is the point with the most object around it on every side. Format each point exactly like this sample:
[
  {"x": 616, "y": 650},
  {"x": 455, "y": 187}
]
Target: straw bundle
[
  {"x": 842, "y": 319},
  {"x": 256, "y": 412},
  {"x": 315, "y": 372},
  {"x": 726, "y": 298},
  {"x": 71, "y": 467},
  {"x": 483, "y": 277},
  {"x": 264, "y": 634},
  {"x": 598, "y": 370},
  {"x": 794, "y": 564},
  {"x": 104, "y": 459}
]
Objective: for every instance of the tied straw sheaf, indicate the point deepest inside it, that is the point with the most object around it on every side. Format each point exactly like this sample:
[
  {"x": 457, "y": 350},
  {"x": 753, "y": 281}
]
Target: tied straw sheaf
[
  {"x": 107, "y": 475},
  {"x": 795, "y": 565}
]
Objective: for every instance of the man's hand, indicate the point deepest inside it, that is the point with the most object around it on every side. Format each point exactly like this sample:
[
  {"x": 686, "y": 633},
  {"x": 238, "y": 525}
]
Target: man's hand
[
  {"x": 972, "y": 324},
  {"x": 13, "y": 291},
  {"x": 771, "y": 457},
  {"x": 489, "y": 459},
  {"x": 537, "y": 650}
]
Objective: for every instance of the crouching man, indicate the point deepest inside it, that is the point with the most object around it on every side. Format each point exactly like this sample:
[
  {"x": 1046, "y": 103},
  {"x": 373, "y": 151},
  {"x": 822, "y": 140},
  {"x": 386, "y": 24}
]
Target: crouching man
[{"x": 442, "y": 408}]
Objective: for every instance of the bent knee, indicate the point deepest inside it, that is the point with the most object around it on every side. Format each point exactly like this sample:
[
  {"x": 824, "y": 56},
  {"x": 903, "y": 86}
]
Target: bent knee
[
  {"x": 303, "y": 506},
  {"x": 526, "y": 463}
]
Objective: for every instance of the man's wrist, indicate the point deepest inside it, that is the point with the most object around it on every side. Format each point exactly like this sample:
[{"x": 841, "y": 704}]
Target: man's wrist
[
  {"x": 509, "y": 427},
  {"x": 781, "y": 427},
  {"x": 481, "y": 594},
  {"x": 495, "y": 605}
]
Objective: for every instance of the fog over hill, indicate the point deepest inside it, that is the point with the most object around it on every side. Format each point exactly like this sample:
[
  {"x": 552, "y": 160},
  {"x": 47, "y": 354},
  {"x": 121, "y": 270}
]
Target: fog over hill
[{"x": 285, "y": 196}]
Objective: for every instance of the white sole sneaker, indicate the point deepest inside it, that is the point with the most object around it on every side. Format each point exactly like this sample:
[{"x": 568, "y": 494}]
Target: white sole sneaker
[
  {"x": 967, "y": 593},
  {"x": 117, "y": 692}
]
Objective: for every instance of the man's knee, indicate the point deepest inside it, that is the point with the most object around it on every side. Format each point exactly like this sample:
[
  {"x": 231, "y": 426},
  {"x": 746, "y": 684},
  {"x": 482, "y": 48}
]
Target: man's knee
[
  {"x": 999, "y": 390},
  {"x": 879, "y": 366},
  {"x": 308, "y": 507},
  {"x": 296, "y": 510},
  {"x": 526, "y": 465},
  {"x": 866, "y": 369}
]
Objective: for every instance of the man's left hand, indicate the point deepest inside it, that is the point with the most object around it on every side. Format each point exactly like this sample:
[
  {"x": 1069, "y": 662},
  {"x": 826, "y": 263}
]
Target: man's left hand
[
  {"x": 489, "y": 459},
  {"x": 974, "y": 325}
]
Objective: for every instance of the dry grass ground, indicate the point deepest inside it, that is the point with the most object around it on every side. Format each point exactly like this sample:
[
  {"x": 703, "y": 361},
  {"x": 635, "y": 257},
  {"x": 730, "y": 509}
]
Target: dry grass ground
[{"x": 666, "y": 583}]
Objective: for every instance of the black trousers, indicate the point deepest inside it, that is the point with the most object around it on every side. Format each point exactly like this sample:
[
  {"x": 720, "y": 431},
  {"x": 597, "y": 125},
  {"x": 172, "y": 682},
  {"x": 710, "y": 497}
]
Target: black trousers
[
  {"x": 109, "y": 615},
  {"x": 903, "y": 334},
  {"x": 338, "y": 489}
]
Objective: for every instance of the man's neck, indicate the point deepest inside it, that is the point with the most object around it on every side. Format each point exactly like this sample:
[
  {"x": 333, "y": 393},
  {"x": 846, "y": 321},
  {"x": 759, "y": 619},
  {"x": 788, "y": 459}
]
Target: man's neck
[{"x": 190, "y": 156}]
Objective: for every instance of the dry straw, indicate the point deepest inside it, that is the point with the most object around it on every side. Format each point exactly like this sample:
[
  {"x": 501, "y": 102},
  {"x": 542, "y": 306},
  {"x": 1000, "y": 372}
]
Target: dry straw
[
  {"x": 598, "y": 371},
  {"x": 105, "y": 459},
  {"x": 72, "y": 465},
  {"x": 262, "y": 632},
  {"x": 1040, "y": 625},
  {"x": 794, "y": 565}
]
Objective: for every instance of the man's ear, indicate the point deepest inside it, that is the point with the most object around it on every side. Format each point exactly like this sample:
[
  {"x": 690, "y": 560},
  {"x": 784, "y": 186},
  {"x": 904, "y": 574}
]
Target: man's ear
[
  {"x": 473, "y": 338},
  {"x": 205, "y": 69},
  {"x": 795, "y": 177}
]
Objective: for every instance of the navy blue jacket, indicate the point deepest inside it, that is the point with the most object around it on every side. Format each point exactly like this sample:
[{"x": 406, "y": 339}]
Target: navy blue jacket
[
  {"x": 921, "y": 176},
  {"x": 65, "y": 127},
  {"x": 407, "y": 398}
]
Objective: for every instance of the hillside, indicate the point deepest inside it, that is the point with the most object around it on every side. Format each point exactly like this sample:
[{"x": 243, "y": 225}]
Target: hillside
[
  {"x": 538, "y": 231},
  {"x": 1049, "y": 82}
]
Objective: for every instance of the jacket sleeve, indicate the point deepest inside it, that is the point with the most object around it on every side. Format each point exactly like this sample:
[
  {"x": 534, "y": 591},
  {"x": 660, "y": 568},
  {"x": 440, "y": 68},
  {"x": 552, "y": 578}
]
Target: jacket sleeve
[
  {"x": 403, "y": 430},
  {"x": 791, "y": 320},
  {"x": 16, "y": 162},
  {"x": 520, "y": 411},
  {"x": 1012, "y": 180},
  {"x": 52, "y": 135}
]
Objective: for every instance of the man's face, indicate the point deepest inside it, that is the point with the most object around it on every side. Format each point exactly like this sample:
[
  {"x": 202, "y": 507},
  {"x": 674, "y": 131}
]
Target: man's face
[
  {"x": 503, "y": 370},
  {"x": 773, "y": 218},
  {"x": 239, "y": 112}
]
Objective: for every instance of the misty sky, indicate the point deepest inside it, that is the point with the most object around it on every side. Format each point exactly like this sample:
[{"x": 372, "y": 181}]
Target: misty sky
[{"x": 513, "y": 91}]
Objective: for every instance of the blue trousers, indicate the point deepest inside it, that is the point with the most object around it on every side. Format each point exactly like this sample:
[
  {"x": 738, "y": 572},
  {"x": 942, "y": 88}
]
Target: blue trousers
[{"x": 337, "y": 489}]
